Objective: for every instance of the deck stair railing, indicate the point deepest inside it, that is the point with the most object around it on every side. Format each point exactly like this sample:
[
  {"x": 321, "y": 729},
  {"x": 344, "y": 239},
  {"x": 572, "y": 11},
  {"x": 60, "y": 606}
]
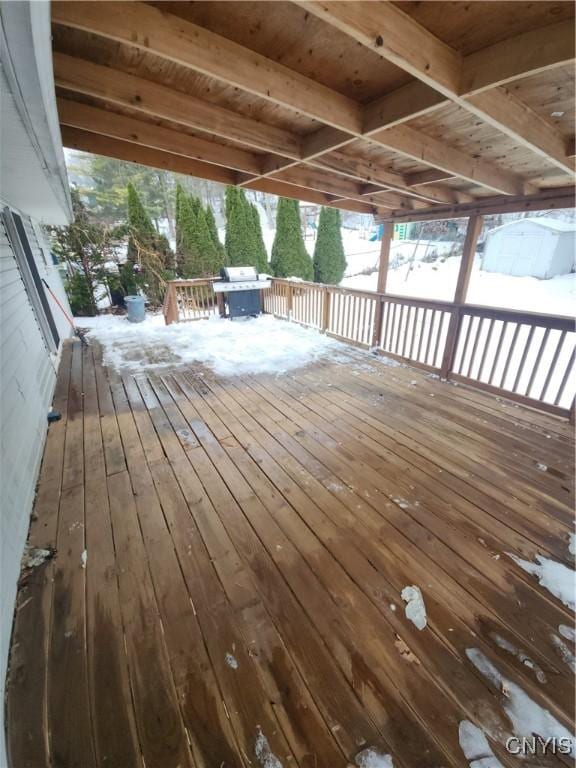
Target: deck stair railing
[{"x": 524, "y": 356}]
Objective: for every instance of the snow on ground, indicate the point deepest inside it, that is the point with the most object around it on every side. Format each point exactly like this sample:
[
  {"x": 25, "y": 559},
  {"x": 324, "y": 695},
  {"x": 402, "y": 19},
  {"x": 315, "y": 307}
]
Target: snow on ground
[
  {"x": 257, "y": 345},
  {"x": 553, "y": 576},
  {"x": 437, "y": 280},
  {"x": 415, "y": 609},
  {"x": 528, "y": 718}
]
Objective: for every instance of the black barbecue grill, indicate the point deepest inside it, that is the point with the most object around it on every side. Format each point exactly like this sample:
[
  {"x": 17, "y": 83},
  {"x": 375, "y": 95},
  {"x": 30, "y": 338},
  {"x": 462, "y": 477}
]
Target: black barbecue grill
[{"x": 242, "y": 288}]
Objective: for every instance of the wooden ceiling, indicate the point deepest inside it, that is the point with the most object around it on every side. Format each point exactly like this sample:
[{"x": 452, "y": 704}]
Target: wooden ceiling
[{"x": 404, "y": 110}]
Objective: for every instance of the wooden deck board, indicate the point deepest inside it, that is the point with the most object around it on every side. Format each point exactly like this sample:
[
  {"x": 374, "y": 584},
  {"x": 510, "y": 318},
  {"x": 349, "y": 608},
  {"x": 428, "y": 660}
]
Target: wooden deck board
[{"x": 247, "y": 542}]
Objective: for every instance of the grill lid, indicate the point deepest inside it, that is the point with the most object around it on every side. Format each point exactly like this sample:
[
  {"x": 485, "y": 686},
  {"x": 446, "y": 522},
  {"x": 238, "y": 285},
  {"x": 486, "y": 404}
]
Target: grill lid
[{"x": 237, "y": 274}]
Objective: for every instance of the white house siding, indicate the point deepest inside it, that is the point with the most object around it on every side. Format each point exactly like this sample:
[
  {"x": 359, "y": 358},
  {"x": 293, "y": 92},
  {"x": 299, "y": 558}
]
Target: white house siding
[{"x": 27, "y": 379}]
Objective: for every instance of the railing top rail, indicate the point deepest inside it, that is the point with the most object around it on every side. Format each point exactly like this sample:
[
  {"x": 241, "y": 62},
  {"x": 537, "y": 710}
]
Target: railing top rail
[
  {"x": 193, "y": 281},
  {"x": 562, "y": 322}
]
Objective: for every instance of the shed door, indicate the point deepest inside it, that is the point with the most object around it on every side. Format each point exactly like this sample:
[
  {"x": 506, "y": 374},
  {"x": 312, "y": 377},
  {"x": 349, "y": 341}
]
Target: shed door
[
  {"x": 31, "y": 277},
  {"x": 521, "y": 253}
]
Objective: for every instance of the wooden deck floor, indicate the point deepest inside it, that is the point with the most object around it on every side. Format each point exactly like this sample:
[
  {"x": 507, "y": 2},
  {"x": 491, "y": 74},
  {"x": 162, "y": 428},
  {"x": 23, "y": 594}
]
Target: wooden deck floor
[{"x": 246, "y": 544}]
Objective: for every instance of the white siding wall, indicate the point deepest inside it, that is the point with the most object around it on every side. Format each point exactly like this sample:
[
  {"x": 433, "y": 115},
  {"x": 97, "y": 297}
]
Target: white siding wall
[{"x": 27, "y": 379}]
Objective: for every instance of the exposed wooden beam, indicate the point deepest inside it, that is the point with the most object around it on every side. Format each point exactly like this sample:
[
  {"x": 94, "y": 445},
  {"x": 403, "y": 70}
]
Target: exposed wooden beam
[
  {"x": 141, "y": 95},
  {"x": 406, "y": 103},
  {"x": 549, "y": 199},
  {"x": 283, "y": 189},
  {"x": 97, "y": 144},
  {"x": 152, "y": 30},
  {"x": 529, "y": 53},
  {"x": 435, "y": 153},
  {"x": 363, "y": 170},
  {"x": 398, "y": 38},
  {"x": 430, "y": 176},
  {"x": 508, "y": 114},
  {"x": 114, "y": 125},
  {"x": 173, "y": 39},
  {"x": 395, "y": 36}
]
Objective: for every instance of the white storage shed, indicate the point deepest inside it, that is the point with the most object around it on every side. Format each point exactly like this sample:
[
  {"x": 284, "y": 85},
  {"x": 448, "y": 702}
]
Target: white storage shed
[{"x": 540, "y": 247}]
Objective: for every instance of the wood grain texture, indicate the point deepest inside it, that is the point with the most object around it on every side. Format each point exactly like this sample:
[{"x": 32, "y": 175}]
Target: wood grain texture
[{"x": 248, "y": 539}]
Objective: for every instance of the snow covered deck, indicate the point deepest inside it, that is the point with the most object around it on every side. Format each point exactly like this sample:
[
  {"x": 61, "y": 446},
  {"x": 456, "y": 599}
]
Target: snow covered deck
[{"x": 349, "y": 563}]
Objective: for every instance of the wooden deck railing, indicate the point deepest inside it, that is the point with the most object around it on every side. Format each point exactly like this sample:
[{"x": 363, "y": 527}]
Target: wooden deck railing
[
  {"x": 525, "y": 356},
  {"x": 190, "y": 300}
]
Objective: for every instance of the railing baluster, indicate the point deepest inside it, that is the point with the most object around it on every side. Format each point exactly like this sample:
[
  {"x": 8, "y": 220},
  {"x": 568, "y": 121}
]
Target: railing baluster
[
  {"x": 438, "y": 338},
  {"x": 486, "y": 348},
  {"x": 429, "y": 339},
  {"x": 565, "y": 378},
  {"x": 503, "y": 329},
  {"x": 538, "y": 360},
  {"x": 552, "y": 366},
  {"x": 524, "y": 357},
  {"x": 474, "y": 346}
]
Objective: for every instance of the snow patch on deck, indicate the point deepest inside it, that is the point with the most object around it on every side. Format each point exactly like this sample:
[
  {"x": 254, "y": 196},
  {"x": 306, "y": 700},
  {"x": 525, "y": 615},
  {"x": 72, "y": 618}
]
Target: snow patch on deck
[
  {"x": 528, "y": 718},
  {"x": 371, "y": 758},
  {"x": 415, "y": 609},
  {"x": 264, "y": 754},
  {"x": 553, "y": 576},
  {"x": 256, "y": 345},
  {"x": 475, "y": 746},
  {"x": 565, "y": 653},
  {"x": 506, "y": 645}
]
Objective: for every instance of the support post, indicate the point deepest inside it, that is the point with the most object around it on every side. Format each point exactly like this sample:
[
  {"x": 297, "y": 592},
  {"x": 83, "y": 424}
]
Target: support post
[
  {"x": 467, "y": 262},
  {"x": 170, "y": 305},
  {"x": 326, "y": 310},
  {"x": 289, "y": 297},
  {"x": 387, "y": 235}
]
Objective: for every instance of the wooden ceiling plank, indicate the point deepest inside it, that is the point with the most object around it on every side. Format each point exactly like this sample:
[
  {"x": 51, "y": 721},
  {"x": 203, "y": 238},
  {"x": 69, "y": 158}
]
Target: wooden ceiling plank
[
  {"x": 396, "y": 37},
  {"x": 135, "y": 93},
  {"x": 508, "y": 114},
  {"x": 174, "y": 39},
  {"x": 410, "y": 143},
  {"x": 401, "y": 105},
  {"x": 530, "y": 53},
  {"x": 363, "y": 170},
  {"x": 77, "y": 115},
  {"x": 430, "y": 176}
]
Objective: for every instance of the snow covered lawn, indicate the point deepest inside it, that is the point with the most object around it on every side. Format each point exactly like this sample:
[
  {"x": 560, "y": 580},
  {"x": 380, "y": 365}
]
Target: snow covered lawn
[
  {"x": 256, "y": 345},
  {"x": 437, "y": 280}
]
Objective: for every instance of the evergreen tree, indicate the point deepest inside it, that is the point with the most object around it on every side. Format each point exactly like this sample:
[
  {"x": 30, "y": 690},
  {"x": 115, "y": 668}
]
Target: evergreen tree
[
  {"x": 289, "y": 255},
  {"x": 84, "y": 246},
  {"x": 209, "y": 257},
  {"x": 211, "y": 222},
  {"x": 189, "y": 259},
  {"x": 141, "y": 230},
  {"x": 329, "y": 260},
  {"x": 149, "y": 249},
  {"x": 238, "y": 239},
  {"x": 261, "y": 257}
]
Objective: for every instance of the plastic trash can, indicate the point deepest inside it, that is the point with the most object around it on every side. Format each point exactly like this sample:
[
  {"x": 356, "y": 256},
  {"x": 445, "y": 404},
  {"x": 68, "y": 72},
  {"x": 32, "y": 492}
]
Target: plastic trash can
[{"x": 135, "y": 307}]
